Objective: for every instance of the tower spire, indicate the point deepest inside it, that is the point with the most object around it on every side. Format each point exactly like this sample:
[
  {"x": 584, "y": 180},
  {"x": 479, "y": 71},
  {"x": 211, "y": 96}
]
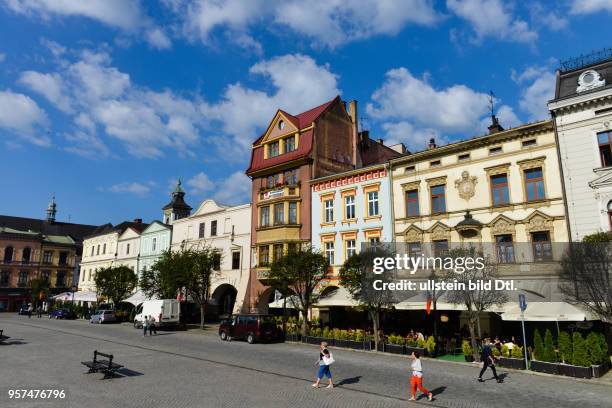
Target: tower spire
[{"x": 51, "y": 210}]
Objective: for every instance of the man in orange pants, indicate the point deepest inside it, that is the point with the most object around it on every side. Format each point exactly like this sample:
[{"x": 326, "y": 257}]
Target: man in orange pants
[{"x": 417, "y": 378}]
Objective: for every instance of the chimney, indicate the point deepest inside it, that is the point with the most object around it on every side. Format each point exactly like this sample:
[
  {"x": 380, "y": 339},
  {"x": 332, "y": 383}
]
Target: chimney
[
  {"x": 364, "y": 135},
  {"x": 432, "y": 143},
  {"x": 138, "y": 220},
  {"x": 495, "y": 127},
  {"x": 381, "y": 141},
  {"x": 352, "y": 111},
  {"x": 400, "y": 148}
]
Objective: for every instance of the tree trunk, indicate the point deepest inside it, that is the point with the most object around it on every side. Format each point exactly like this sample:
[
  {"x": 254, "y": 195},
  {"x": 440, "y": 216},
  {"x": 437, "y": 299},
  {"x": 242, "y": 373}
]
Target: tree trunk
[
  {"x": 202, "y": 313},
  {"x": 435, "y": 327},
  {"x": 375, "y": 320},
  {"x": 478, "y": 323},
  {"x": 304, "y": 322},
  {"x": 472, "y": 326},
  {"x": 284, "y": 315}
]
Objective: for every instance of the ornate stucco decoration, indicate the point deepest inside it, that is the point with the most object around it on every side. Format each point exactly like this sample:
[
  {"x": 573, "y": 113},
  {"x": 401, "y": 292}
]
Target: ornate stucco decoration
[
  {"x": 539, "y": 222},
  {"x": 502, "y": 225},
  {"x": 588, "y": 80},
  {"x": 413, "y": 234},
  {"x": 439, "y": 232},
  {"x": 466, "y": 185}
]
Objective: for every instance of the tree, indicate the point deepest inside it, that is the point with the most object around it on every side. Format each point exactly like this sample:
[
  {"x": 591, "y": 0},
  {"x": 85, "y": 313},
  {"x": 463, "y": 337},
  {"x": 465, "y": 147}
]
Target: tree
[
  {"x": 116, "y": 283},
  {"x": 357, "y": 277},
  {"x": 565, "y": 347},
  {"x": 593, "y": 347},
  {"x": 586, "y": 274},
  {"x": 538, "y": 346},
  {"x": 477, "y": 300},
  {"x": 580, "y": 356},
  {"x": 197, "y": 268},
  {"x": 549, "y": 348},
  {"x": 39, "y": 289},
  {"x": 163, "y": 279},
  {"x": 303, "y": 272}
]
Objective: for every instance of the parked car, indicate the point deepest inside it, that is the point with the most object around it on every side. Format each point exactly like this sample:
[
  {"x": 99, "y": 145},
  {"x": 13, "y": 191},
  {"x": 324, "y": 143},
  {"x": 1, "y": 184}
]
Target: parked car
[
  {"x": 62, "y": 314},
  {"x": 250, "y": 327},
  {"x": 23, "y": 310},
  {"x": 103, "y": 316},
  {"x": 167, "y": 312}
]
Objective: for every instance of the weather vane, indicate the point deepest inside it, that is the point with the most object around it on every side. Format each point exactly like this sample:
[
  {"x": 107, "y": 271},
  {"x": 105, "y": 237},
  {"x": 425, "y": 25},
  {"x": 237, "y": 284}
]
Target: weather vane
[{"x": 491, "y": 102}]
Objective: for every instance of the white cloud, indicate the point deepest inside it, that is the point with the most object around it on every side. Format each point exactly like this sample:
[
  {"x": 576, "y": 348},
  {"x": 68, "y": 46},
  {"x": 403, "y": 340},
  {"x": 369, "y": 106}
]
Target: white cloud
[
  {"x": 538, "y": 87},
  {"x": 200, "y": 184},
  {"x": 492, "y": 18},
  {"x": 2, "y": 57},
  {"x": 415, "y": 139},
  {"x": 50, "y": 86},
  {"x": 337, "y": 21},
  {"x": 139, "y": 189},
  {"x": 21, "y": 115},
  {"x": 157, "y": 38},
  {"x": 590, "y": 6}
]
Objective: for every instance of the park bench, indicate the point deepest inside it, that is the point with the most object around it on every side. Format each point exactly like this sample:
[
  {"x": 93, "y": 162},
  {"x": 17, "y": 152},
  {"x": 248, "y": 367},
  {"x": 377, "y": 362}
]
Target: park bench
[
  {"x": 2, "y": 338},
  {"x": 102, "y": 365}
]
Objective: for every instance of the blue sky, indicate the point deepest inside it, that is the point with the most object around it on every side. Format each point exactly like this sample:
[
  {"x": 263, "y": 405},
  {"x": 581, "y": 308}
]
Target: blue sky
[{"x": 106, "y": 103}]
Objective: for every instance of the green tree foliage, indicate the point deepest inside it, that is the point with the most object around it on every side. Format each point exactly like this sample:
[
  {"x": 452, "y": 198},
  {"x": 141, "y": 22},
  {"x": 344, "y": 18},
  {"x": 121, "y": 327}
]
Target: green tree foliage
[
  {"x": 302, "y": 273},
  {"x": 39, "y": 289},
  {"x": 593, "y": 347},
  {"x": 538, "y": 346},
  {"x": 580, "y": 355},
  {"x": 565, "y": 347},
  {"x": 549, "y": 348},
  {"x": 517, "y": 352},
  {"x": 198, "y": 269},
  {"x": 603, "y": 347},
  {"x": 163, "y": 279},
  {"x": 116, "y": 283},
  {"x": 598, "y": 237}
]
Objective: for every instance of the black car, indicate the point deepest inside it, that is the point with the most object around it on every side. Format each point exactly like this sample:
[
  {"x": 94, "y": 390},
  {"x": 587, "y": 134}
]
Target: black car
[
  {"x": 62, "y": 314},
  {"x": 250, "y": 327}
]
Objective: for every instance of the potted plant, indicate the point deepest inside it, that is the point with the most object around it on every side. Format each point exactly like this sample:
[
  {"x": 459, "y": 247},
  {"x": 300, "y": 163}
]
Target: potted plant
[
  {"x": 512, "y": 358},
  {"x": 544, "y": 360},
  {"x": 430, "y": 346},
  {"x": 395, "y": 344},
  {"x": 580, "y": 357},
  {"x": 415, "y": 345},
  {"x": 468, "y": 351},
  {"x": 598, "y": 353}
]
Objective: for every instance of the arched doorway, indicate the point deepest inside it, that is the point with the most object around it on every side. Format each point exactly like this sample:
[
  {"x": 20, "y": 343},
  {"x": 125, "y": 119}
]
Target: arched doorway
[{"x": 224, "y": 298}]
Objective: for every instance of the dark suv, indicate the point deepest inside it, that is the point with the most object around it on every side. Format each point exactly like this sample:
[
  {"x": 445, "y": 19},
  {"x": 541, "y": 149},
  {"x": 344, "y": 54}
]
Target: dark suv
[{"x": 250, "y": 327}]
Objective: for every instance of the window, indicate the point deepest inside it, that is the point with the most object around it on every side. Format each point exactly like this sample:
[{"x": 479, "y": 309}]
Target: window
[
  {"x": 264, "y": 255},
  {"x": 8, "y": 254},
  {"x": 529, "y": 142},
  {"x": 213, "y": 228},
  {"x": 349, "y": 204},
  {"x": 60, "y": 280},
  {"x": 5, "y": 277},
  {"x": 216, "y": 261},
  {"x": 414, "y": 249},
  {"x": 293, "y": 213},
  {"x": 329, "y": 211},
  {"x": 270, "y": 181},
  {"x": 290, "y": 177},
  {"x": 154, "y": 244},
  {"x": 374, "y": 241},
  {"x": 440, "y": 248},
  {"x": 605, "y": 148},
  {"x": 45, "y": 275},
  {"x": 279, "y": 214},
  {"x": 505, "y": 248},
  {"x": 235, "y": 260},
  {"x": 292, "y": 247},
  {"x": 63, "y": 258},
  {"x": 534, "y": 184},
  {"x": 542, "y": 250},
  {"x": 273, "y": 149},
  {"x": 329, "y": 252},
  {"x": 412, "y": 203},
  {"x": 26, "y": 255},
  {"x": 264, "y": 217},
  {"x": 435, "y": 163},
  {"x": 495, "y": 150},
  {"x": 278, "y": 251},
  {"x": 438, "y": 201},
  {"x": 47, "y": 257},
  {"x": 201, "y": 229},
  {"x": 98, "y": 250},
  {"x": 23, "y": 279},
  {"x": 463, "y": 157},
  {"x": 104, "y": 249},
  {"x": 410, "y": 169},
  {"x": 92, "y": 250},
  {"x": 499, "y": 189},
  {"x": 351, "y": 248},
  {"x": 289, "y": 144},
  {"x": 127, "y": 249},
  {"x": 372, "y": 203}
]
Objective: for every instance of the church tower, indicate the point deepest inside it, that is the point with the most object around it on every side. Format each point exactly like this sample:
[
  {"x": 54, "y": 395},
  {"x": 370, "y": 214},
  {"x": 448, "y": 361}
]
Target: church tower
[
  {"x": 177, "y": 208},
  {"x": 51, "y": 210}
]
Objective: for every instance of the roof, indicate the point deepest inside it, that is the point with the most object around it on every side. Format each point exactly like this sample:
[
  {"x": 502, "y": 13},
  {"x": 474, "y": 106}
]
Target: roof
[
  {"x": 373, "y": 152},
  {"x": 119, "y": 228},
  {"x": 76, "y": 231},
  {"x": 567, "y": 82},
  {"x": 301, "y": 121}
]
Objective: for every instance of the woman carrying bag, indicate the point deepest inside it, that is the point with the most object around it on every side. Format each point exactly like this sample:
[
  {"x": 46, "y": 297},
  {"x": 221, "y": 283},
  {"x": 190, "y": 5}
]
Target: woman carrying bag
[
  {"x": 326, "y": 359},
  {"x": 417, "y": 377}
]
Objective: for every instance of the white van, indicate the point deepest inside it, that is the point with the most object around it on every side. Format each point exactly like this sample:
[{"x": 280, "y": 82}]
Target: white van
[{"x": 167, "y": 312}]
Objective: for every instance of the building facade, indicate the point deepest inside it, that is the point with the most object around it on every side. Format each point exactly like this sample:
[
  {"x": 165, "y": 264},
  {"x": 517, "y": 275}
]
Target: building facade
[
  {"x": 227, "y": 230},
  {"x": 582, "y": 114},
  {"x": 128, "y": 249},
  {"x": 292, "y": 151},
  {"x": 154, "y": 240}
]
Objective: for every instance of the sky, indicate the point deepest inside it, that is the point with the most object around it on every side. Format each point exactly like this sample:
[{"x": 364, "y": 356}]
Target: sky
[{"x": 107, "y": 103}]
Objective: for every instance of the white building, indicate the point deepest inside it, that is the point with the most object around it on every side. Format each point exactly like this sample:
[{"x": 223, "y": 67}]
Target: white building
[
  {"x": 154, "y": 240},
  {"x": 100, "y": 251},
  {"x": 582, "y": 113},
  {"x": 128, "y": 249},
  {"x": 226, "y": 229}
]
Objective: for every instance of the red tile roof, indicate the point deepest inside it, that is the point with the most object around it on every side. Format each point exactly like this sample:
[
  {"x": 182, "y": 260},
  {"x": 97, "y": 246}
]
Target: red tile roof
[{"x": 301, "y": 121}]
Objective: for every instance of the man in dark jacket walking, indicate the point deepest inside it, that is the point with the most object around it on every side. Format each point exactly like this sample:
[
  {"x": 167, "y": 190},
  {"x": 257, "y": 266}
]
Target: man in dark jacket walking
[{"x": 488, "y": 361}]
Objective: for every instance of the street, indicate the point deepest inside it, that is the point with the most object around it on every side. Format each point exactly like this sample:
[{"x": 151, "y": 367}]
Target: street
[{"x": 190, "y": 369}]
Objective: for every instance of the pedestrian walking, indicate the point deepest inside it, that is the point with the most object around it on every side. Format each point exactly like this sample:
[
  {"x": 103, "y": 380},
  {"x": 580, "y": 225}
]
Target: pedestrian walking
[
  {"x": 326, "y": 359},
  {"x": 145, "y": 325},
  {"x": 30, "y": 308},
  {"x": 488, "y": 361},
  {"x": 152, "y": 327},
  {"x": 416, "y": 381}
]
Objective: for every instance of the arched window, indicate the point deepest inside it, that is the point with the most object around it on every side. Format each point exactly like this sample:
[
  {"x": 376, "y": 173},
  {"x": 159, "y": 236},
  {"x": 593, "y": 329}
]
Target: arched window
[
  {"x": 8, "y": 254},
  {"x": 25, "y": 255}
]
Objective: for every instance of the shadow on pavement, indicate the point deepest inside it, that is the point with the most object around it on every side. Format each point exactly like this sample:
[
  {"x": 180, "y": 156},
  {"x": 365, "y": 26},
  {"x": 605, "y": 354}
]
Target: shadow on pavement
[
  {"x": 351, "y": 380},
  {"x": 126, "y": 372},
  {"x": 437, "y": 391}
]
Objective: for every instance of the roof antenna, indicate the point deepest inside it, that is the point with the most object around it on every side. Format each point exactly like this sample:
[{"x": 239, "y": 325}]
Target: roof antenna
[{"x": 492, "y": 103}]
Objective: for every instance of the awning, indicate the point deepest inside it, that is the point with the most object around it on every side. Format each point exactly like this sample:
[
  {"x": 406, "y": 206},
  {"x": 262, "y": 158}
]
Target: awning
[
  {"x": 546, "y": 312},
  {"x": 339, "y": 297},
  {"x": 64, "y": 296},
  {"x": 82, "y": 296},
  {"x": 279, "y": 303},
  {"x": 138, "y": 297}
]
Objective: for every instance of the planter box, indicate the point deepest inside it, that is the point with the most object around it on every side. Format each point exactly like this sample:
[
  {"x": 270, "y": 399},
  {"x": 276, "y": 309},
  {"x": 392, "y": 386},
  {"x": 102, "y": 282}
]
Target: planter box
[
  {"x": 601, "y": 369},
  {"x": 469, "y": 358},
  {"x": 341, "y": 343},
  {"x": 381, "y": 346},
  {"x": 509, "y": 362},
  {"x": 579, "y": 372},
  {"x": 355, "y": 345},
  {"x": 317, "y": 340},
  {"x": 394, "y": 349},
  {"x": 544, "y": 367},
  {"x": 410, "y": 349},
  {"x": 293, "y": 337}
]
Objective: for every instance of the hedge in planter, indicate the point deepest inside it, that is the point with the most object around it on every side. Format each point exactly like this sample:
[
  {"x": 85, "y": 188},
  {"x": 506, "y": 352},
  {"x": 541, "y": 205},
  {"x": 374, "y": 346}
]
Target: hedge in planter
[
  {"x": 395, "y": 344},
  {"x": 513, "y": 359},
  {"x": 598, "y": 353},
  {"x": 468, "y": 351},
  {"x": 580, "y": 358}
]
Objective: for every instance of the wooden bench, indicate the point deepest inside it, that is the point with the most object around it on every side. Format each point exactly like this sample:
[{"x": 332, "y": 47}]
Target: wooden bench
[
  {"x": 1, "y": 336},
  {"x": 102, "y": 365}
]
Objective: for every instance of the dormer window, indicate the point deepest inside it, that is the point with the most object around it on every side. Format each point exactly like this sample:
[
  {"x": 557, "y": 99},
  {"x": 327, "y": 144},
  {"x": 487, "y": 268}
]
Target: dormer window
[
  {"x": 273, "y": 149},
  {"x": 289, "y": 144}
]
